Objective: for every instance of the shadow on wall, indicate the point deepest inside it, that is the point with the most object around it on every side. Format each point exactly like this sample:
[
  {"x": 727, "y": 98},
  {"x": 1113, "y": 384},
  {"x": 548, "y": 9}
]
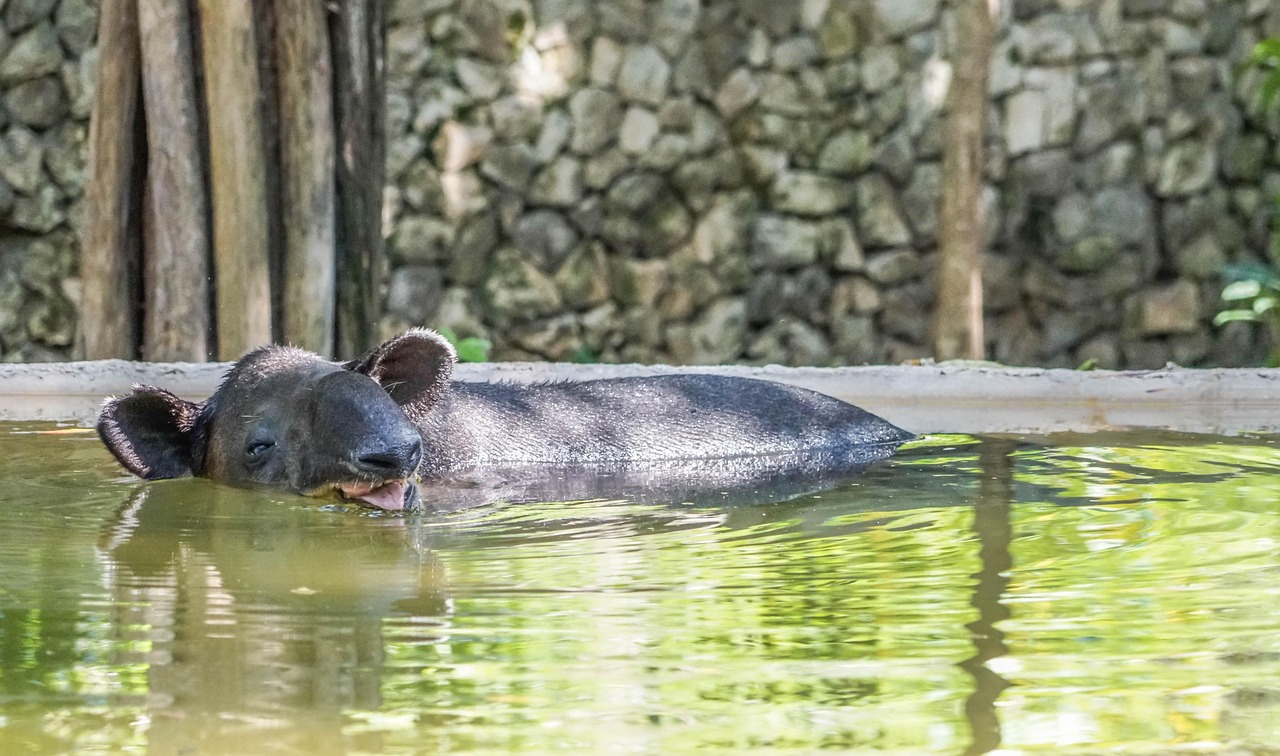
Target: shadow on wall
[{"x": 733, "y": 180}]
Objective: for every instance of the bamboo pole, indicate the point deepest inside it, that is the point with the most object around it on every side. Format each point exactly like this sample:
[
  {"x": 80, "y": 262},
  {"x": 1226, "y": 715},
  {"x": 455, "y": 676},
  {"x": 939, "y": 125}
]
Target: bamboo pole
[
  {"x": 305, "y": 71},
  {"x": 109, "y": 256},
  {"x": 359, "y": 82},
  {"x": 176, "y": 269},
  {"x": 237, "y": 167}
]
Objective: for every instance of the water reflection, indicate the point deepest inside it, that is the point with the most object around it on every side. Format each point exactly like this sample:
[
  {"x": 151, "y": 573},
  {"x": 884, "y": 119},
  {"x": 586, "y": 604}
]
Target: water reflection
[
  {"x": 881, "y": 614},
  {"x": 992, "y": 512},
  {"x": 242, "y": 622}
]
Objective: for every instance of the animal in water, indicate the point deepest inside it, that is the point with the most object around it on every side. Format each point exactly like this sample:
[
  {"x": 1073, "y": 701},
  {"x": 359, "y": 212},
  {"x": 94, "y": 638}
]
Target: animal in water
[{"x": 377, "y": 429}]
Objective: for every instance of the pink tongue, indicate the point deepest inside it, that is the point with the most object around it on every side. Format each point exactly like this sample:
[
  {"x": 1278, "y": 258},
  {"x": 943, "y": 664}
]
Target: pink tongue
[{"x": 387, "y": 496}]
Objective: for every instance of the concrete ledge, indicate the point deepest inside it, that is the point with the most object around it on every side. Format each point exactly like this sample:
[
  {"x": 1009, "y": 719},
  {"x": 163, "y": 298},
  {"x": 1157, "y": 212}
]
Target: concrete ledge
[{"x": 923, "y": 399}]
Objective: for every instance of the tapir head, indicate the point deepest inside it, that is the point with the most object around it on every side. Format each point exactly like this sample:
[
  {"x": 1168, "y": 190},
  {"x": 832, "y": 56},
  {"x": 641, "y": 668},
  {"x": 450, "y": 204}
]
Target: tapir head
[{"x": 289, "y": 420}]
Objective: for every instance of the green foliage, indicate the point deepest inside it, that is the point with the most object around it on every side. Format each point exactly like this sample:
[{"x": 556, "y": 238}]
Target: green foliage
[
  {"x": 1265, "y": 58},
  {"x": 1252, "y": 292},
  {"x": 470, "y": 349}
]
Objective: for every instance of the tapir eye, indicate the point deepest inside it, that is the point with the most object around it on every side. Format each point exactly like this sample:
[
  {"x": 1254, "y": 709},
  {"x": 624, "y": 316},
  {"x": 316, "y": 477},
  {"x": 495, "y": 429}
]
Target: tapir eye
[{"x": 258, "y": 449}]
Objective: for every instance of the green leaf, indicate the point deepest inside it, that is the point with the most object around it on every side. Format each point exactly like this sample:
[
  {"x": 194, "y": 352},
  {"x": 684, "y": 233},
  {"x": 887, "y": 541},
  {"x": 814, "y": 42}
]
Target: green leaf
[
  {"x": 1230, "y": 316},
  {"x": 473, "y": 349},
  {"x": 1234, "y": 292},
  {"x": 448, "y": 335},
  {"x": 1262, "y": 305}
]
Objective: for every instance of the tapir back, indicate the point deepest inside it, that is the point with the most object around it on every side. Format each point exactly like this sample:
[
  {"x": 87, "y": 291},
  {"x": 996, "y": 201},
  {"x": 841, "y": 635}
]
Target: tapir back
[{"x": 640, "y": 420}]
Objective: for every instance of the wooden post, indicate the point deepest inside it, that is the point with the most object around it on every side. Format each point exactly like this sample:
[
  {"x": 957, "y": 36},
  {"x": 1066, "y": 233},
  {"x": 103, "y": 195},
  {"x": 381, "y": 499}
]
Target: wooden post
[
  {"x": 177, "y": 241},
  {"x": 957, "y": 321},
  {"x": 359, "y": 81},
  {"x": 305, "y": 76},
  {"x": 108, "y": 263},
  {"x": 237, "y": 163}
]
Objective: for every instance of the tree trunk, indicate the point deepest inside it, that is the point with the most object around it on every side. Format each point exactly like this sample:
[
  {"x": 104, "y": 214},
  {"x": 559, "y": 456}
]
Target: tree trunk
[
  {"x": 176, "y": 240},
  {"x": 359, "y": 81},
  {"x": 305, "y": 72},
  {"x": 109, "y": 257},
  {"x": 237, "y": 165},
  {"x": 957, "y": 323}
]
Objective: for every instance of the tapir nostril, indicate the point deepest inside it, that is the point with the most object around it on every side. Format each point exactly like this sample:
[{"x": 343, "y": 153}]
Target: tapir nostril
[
  {"x": 388, "y": 462},
  {"x": 399, "y": 461}
]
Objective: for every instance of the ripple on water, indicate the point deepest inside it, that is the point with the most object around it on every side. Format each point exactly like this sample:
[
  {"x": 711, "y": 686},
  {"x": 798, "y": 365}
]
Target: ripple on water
[{"x": 1062, "y": 595}]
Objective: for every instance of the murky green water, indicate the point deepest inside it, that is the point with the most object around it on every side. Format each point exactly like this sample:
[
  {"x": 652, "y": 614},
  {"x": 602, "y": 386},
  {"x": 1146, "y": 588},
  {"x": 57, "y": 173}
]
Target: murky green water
[{"x": 1100, "y": 594}]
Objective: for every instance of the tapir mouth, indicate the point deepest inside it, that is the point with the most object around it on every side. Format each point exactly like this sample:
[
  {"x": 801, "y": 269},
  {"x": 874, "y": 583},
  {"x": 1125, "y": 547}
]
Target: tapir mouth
[{"x": 392, "y": 495}]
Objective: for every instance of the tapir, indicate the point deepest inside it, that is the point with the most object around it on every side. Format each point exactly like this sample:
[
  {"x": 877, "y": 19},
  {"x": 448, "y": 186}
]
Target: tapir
[{"x": 372, "y": 429}]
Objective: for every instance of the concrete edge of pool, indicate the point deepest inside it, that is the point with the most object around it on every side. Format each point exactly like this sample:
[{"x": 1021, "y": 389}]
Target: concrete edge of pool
[{"x": 924, "y": 399}]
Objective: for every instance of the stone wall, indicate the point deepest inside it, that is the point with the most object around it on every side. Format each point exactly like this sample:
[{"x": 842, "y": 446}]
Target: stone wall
[
  {"x": 747, "y": 180},
  {"x": 47, "y": 70},
  {"x": 722, "y": 180}
]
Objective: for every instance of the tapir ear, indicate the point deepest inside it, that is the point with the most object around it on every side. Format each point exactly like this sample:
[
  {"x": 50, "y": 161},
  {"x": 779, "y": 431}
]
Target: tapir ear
[
  {"x": 150, "y": 431},
  {"x": 414, "y": 368}
]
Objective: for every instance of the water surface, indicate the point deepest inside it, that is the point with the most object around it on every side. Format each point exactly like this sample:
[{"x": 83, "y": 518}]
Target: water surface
[{"x": 1090, "y": 594}]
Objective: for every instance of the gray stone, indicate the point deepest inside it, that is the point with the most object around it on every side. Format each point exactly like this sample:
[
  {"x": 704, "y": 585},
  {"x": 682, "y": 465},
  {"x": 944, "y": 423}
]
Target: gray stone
[
  {"x": 402, "y": 151},
  {"x": 511, "y": 165},
  {"x": 722, "y": 229},
  {"x": 1203, "y": 258},
  {"x": 635, "y": 192},
  {"x": 854, "y": 295},
  {"x": 546, "y": 237},
  {"x": 737, "y": 92},
  {"x": 40, "y": 213},
  {"x": 1089, "y": 254},
  {"x": 780, "y": 93},
  {"x": 839, "y": 246},
  {"x": 481, "y": 80},
  {"x": 517, "y": 292},
  {"x": 773, "y": 17},
  {"x": 601, "y": 170},
  {"x": 414, "y": 293},
  {"x": 714, "y": 338},
  {"x": 846, "y": 153},
  {"x": 644, "y": 75},
  {"x": 893, "y": 156},
  {"x": 666, "y": 153},
  {"x": 795, "y": 53},
  {"x": 606, "y": 58},
  {"x": 880, "y": 68},
  {"x": 65, "y": 156},
  {"x": 1056, "y": 38},
  {"x": 514, "y": 118},
  {"x": 1186, "y": 168},
  {"x": 1041, "y": 115},
  {"x": 80, "y": 80},
  {"x": 421, "y": 239},
  {"x": 77, "y": 24},
  {"x": 639, "y": 129},
  {"x": 34, "y": 54},
  {"x": 878, "y": 215},
  {"x": 1170, "y": 309},
  {"x": 597, "y": 115},
  {"x": 809, "y": 194},
  {"x": 559, "y": 184},
  {"x": 673, "y": 22},
  {"x": 583, "y": 280},
  {"x": 1246, "y": 157},
  {"x": 894, "y": 266},
  {"x": 38, "y": 103},
  {"x": 21, "y": 156},
  {"x": 21, "y": 14},
  {"x": 897, "y": 18},
  {"x": 458, "y": 145},
  {"x": 838, "y": 36},
  {"x": 854, "y": 340},
  {"x": 639, "y": 283},
  {"x": 920, "y": 200},
  {"x": 469, "y": 255},
  {"x": 781, "y": 242}
]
